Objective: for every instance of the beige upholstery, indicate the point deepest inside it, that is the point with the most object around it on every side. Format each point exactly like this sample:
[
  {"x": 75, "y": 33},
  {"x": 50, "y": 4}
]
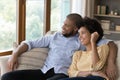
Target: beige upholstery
[
  {"x": 35, "y": 58},
  {"x": 3, "y": 64},
  {"x": 118, "y": 58}
]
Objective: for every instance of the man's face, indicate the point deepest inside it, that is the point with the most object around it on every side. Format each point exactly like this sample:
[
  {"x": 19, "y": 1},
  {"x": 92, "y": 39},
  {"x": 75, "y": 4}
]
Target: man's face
[{"x": 69, "y": 28}]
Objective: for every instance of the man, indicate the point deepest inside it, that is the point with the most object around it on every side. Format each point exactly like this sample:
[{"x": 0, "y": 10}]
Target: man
[{"x": 62, "y": 46}]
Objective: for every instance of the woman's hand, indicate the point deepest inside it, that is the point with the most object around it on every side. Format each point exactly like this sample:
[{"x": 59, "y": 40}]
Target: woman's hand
[
  {"x": 94, "y": 37},
  {"x": 84, "y": 73}
]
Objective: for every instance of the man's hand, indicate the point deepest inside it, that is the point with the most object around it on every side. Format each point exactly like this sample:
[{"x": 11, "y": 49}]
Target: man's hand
[
  {"x": 111, "y": 72},
  {"x": 84, "y": 73},
  {"x": 101, "y": 74},
  {"x": 12, "y": 63},
  {"x": 13, "y": 60}
]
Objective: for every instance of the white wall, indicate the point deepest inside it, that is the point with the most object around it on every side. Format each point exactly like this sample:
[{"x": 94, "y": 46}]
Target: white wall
[{"x": 83, "y": 7}]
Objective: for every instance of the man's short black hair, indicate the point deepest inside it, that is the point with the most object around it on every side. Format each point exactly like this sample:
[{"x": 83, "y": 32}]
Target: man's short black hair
[{"x": 76, "y": 18}]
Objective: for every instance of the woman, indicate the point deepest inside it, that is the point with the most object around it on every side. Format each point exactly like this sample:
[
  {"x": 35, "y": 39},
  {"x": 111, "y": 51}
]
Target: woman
[{"x": 89, "y": 64}]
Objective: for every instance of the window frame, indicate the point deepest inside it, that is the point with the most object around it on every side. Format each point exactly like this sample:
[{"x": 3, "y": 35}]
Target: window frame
[{"x": 21, "y": 21}]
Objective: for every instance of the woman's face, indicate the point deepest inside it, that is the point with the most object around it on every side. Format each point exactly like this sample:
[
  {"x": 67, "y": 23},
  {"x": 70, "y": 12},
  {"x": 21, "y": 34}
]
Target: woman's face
[{"x": 84, "y": 36}]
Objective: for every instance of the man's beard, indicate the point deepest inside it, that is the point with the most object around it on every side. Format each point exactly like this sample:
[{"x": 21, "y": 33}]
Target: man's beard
[{"x": 70, "y": 34}]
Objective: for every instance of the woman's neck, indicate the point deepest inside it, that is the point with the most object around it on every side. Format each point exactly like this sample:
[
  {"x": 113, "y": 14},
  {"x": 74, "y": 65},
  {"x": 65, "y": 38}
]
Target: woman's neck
[{"x": 88, "y": 47}]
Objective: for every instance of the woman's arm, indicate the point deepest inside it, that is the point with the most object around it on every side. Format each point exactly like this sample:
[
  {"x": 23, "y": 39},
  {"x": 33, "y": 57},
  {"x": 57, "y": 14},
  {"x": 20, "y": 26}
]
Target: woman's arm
[
  {"x": 100, "y": 55},
  {"x": 94, "y": 55}
]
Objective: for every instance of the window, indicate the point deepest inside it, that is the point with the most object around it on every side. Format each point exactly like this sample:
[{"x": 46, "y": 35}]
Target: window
[
  {"x": 7, "y": 24},
  {"x": 59, "y": 10},
  {"x": 22, "y": 19},
  {"x": 29, "y": 19},
  {"x": 34, "y": 19}
]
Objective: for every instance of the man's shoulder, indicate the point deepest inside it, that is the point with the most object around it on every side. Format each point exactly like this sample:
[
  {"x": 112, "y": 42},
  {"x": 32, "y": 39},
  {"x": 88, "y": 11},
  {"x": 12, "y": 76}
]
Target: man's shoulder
[
  {"x": 103, "y": 41},
  {"x": 57, "y": 34},
  {"x": 53, "y": 33}
]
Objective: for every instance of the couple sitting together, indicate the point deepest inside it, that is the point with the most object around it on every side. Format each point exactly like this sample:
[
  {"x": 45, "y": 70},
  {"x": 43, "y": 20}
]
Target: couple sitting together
[{"x": 78, "y": 52}]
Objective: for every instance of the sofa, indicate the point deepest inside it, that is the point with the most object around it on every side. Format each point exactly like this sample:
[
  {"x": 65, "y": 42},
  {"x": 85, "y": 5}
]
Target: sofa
[{"x": 34, "y": 59}]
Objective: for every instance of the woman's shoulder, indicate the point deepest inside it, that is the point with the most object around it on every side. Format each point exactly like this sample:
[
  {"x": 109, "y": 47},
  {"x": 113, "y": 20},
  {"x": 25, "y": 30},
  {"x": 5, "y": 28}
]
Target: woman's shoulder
[
  {"x": 77, "y": 53},
  {"x": 103, "y": 49},
  {"x": 104, "y": 46}
]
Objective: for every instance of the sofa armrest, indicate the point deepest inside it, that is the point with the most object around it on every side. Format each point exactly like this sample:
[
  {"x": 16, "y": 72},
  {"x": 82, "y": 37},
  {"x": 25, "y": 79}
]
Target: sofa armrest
[
  {"x": 33, "y": 59},
  {"x": 3, "y": 64}
]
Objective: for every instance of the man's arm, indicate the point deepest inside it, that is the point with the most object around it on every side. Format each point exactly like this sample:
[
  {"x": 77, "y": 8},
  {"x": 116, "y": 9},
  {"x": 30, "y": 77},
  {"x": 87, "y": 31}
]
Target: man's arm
[
  {"x": 12, "y": 62},
  {"x": 111, "y": 69}
]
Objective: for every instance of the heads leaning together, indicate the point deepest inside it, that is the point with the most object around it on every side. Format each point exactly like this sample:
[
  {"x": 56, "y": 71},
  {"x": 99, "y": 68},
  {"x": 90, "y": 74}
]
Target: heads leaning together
[{"x": 74, "y": 22}]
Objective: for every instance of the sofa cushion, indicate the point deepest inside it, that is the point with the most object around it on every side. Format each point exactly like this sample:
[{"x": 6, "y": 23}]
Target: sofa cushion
[
  {"x": 3, "y": 64},
  {"x": 33, "y": 59}
]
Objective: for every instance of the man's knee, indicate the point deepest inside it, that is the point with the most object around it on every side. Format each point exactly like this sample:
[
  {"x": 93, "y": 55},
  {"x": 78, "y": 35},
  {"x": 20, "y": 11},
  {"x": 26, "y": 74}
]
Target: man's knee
[
  {"x": 7, "y": 76},
  {"x": 57, "y": 77}
]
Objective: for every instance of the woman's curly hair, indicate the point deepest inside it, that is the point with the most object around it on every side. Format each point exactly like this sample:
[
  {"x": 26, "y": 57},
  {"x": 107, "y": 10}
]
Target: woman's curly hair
[{"x": 93, "y": 25}]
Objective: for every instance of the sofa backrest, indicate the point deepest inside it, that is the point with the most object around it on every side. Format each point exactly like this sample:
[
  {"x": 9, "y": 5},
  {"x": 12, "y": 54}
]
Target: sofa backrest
[{"x": 34, "y": 59}]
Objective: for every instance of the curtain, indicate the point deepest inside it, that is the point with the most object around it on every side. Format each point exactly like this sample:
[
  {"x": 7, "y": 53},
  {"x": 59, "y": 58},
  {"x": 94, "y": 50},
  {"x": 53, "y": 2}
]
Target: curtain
[{"x": 83, "y": 7}]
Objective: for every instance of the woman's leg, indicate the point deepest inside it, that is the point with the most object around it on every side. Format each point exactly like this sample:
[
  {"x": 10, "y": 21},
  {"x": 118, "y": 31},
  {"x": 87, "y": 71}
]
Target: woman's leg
[
  {"x": 84, "y": 78},
  {"x": 24, "y": 75}
]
